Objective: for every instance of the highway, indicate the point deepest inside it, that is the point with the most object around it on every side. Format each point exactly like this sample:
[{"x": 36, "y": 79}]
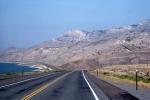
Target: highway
[{"x": 76, "y": 85}]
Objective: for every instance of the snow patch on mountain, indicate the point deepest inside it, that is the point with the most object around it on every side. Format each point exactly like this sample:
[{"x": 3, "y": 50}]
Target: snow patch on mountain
[{"x": 72, "y": 36}]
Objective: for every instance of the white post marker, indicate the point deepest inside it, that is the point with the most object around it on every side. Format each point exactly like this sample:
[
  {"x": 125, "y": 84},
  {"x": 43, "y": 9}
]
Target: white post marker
[{"x": 94, "y": 94}]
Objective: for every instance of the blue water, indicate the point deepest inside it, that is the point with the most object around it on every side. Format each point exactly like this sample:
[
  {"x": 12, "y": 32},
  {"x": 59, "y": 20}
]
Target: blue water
[{"x": 11, "y": 67}]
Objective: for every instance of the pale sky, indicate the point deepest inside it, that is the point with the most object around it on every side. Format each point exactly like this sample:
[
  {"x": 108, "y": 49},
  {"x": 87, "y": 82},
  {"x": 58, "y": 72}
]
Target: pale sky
[{"x": 24, "y": 23}]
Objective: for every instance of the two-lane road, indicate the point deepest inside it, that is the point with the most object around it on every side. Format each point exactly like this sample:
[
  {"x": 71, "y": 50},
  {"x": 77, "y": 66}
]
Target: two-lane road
[
  {"x": 77, "y": 85},
  {"x": 72, "y": 87}
]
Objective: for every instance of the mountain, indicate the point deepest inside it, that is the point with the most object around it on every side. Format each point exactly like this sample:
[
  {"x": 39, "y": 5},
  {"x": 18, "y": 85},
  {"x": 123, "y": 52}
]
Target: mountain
[{"x": 86, "y": 49}]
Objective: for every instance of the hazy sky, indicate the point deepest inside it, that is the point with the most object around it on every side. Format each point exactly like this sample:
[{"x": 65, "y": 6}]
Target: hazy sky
[{"x": 24, "y": 23}]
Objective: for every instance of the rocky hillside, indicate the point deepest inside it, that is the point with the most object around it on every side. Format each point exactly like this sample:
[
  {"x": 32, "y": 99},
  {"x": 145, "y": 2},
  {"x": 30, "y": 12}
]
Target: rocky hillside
[{"x": 78, "y": 48}]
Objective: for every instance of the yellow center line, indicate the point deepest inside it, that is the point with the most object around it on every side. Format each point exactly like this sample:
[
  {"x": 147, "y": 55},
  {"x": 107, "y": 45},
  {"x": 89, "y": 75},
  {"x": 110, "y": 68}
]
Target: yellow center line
[{"x": 28, "y": 97}]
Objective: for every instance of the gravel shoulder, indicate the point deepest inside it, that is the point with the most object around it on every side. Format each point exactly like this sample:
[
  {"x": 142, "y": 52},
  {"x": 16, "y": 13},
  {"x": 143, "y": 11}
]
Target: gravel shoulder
[
  {"x": 141, "y": 93},
  {"x": 110, "y": 90}
]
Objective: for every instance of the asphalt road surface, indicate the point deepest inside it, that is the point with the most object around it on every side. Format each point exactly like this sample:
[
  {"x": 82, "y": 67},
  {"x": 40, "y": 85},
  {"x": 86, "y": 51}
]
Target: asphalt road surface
[
  {"x": 77, "y": 85},
  {"x": 15, "y": 91}
]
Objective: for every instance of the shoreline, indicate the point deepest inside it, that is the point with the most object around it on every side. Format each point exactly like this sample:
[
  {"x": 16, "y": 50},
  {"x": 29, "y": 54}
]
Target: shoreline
[{"x": 38, "y": 67}]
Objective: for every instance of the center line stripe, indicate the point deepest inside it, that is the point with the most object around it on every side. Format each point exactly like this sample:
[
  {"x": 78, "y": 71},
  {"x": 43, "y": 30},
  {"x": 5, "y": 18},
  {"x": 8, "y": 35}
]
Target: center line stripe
[{"x": 28, "y": 97}]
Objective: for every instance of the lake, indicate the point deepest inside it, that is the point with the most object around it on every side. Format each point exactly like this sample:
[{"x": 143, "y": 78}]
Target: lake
[{"x": 12, "y": 67}]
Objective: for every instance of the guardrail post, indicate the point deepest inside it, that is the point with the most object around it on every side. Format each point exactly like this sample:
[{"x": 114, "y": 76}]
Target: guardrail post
[{"x": 136, "y": 79}]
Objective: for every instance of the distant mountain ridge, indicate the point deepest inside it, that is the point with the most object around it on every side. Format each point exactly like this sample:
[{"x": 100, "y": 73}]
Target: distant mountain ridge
[{"x": 91, "y": 47}]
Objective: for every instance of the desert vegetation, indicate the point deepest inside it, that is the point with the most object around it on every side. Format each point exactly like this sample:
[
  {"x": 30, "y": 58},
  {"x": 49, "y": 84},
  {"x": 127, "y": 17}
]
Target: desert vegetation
[{"x": 125, "y": 74}]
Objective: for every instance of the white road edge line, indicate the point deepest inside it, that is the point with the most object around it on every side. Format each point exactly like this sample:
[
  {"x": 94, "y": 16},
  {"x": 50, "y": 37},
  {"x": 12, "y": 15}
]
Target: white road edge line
[
  {"x": 94, "y": 94},
  {"x": 24, "y": 81}
]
